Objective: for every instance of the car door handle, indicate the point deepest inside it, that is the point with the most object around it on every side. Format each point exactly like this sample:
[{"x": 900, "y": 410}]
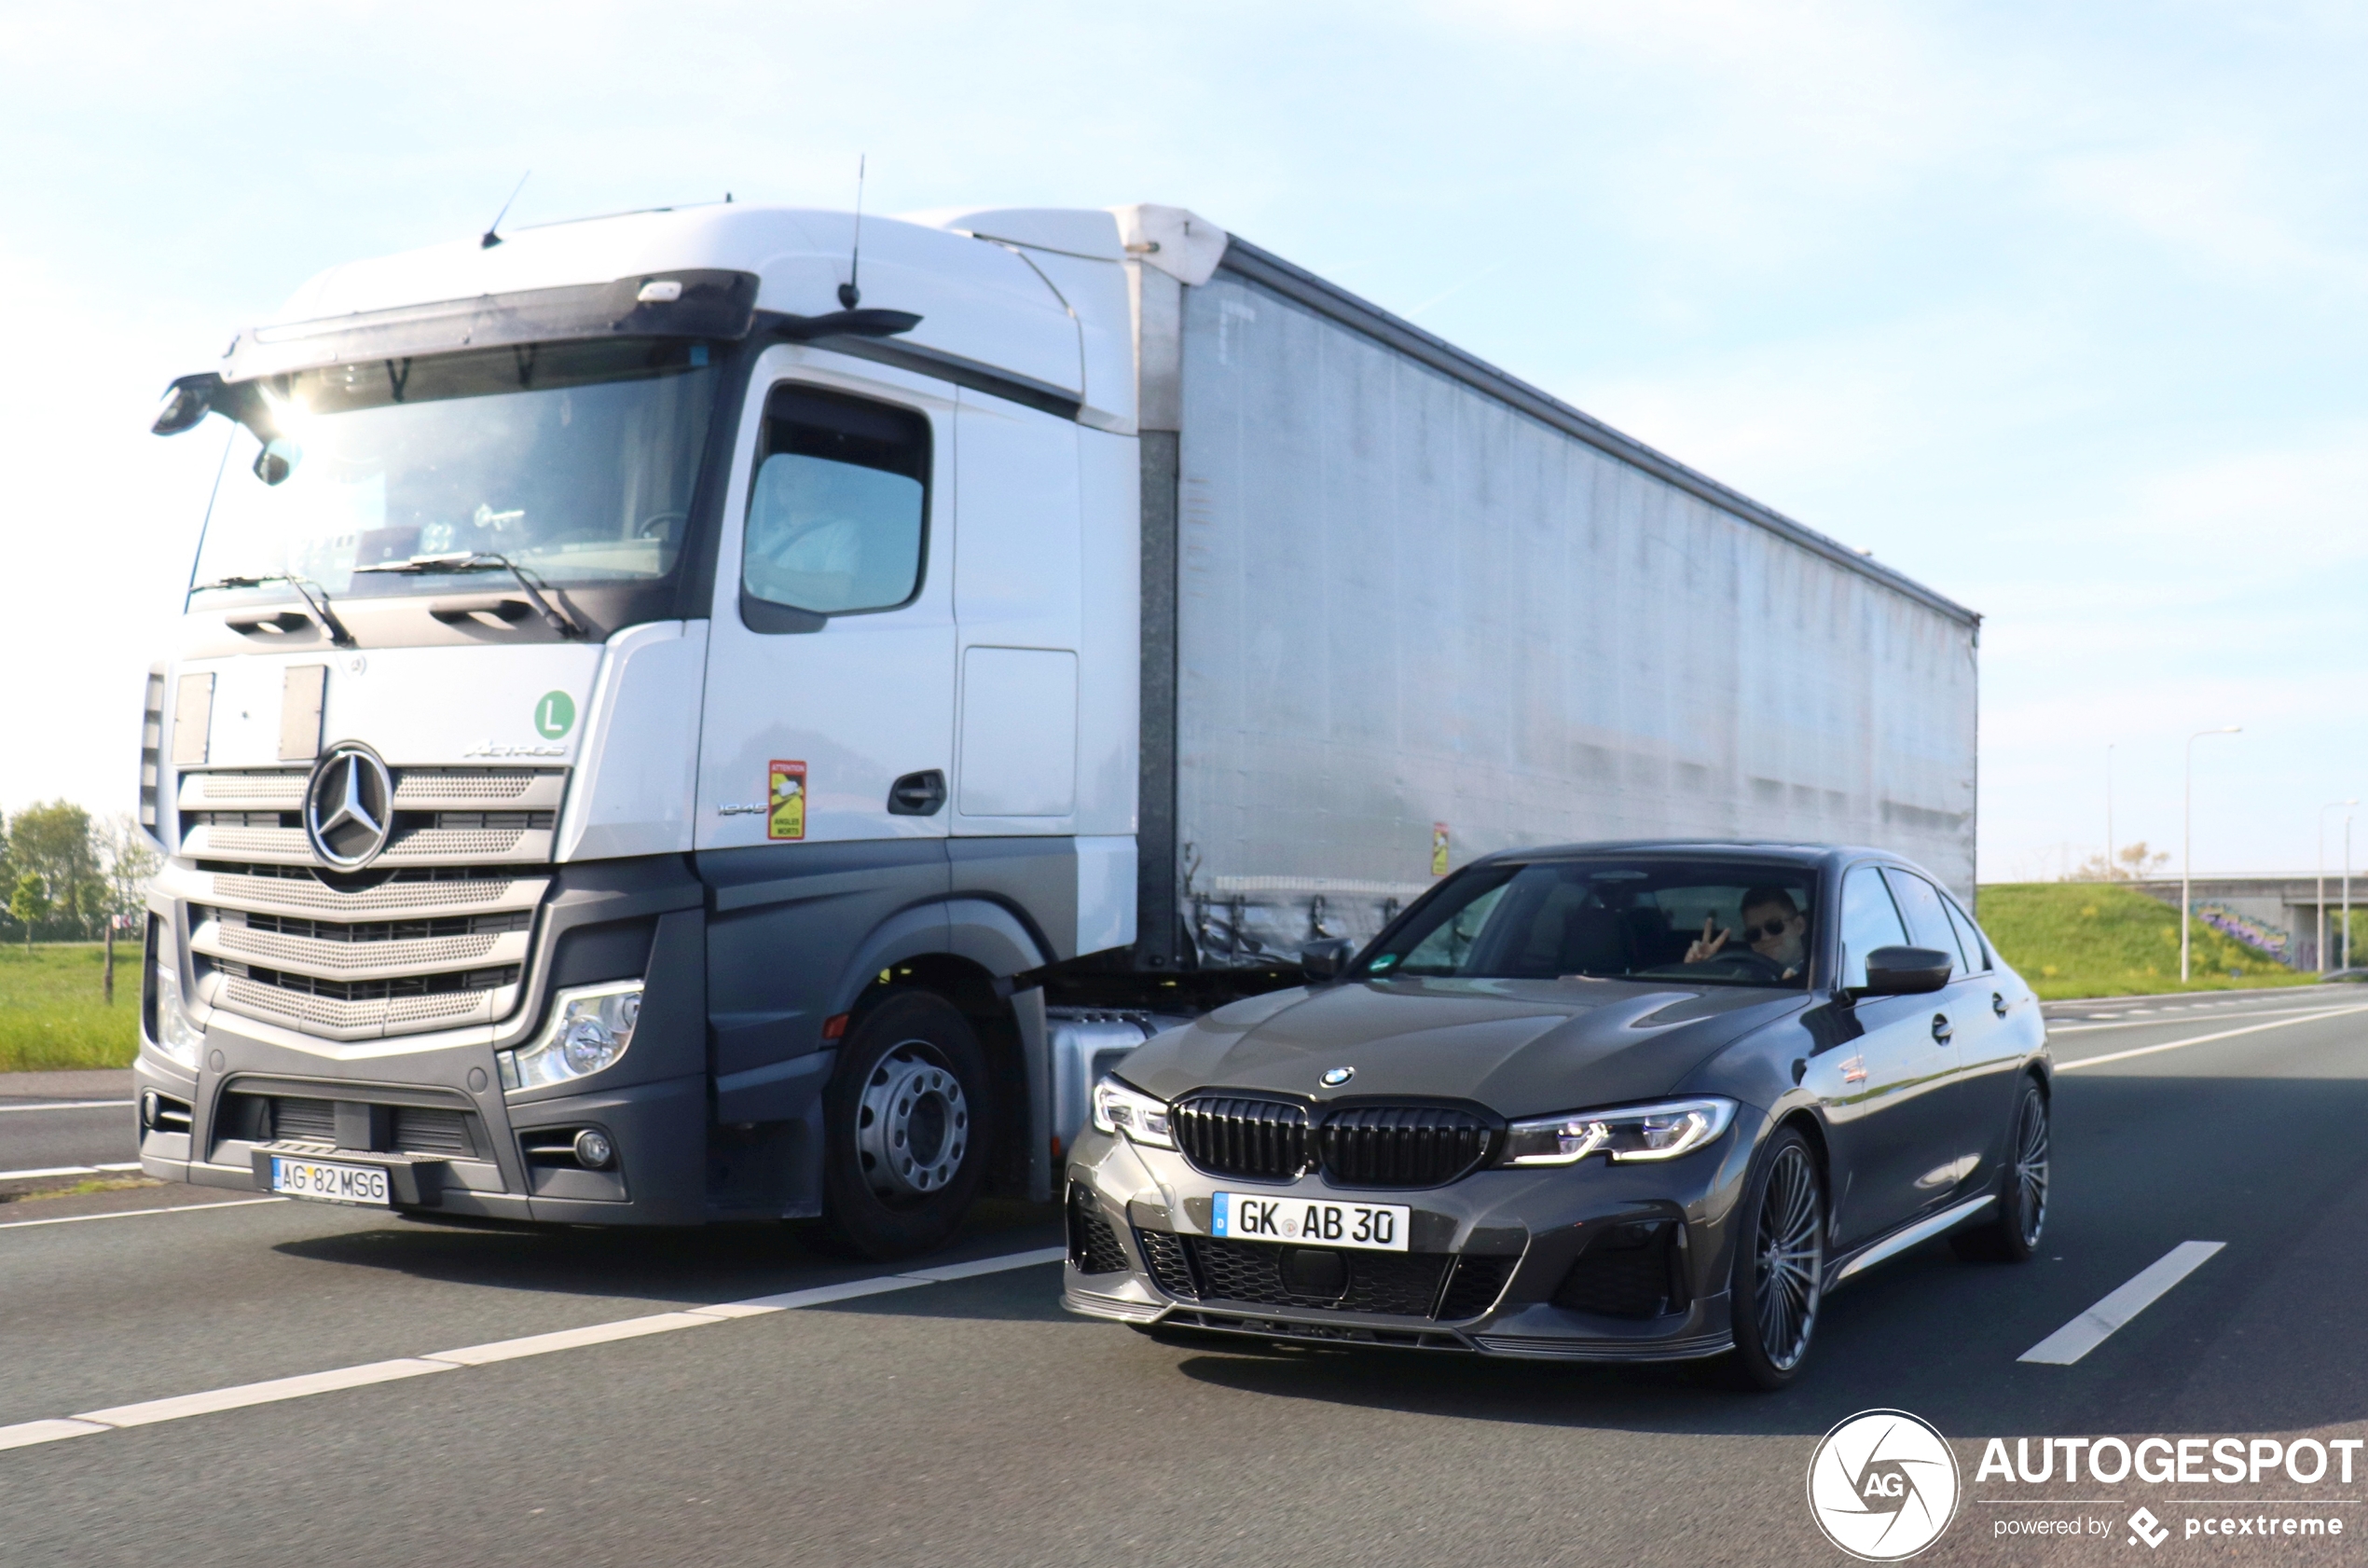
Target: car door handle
[
  {"x": 1998, "y": 1004},
  {"x": 918, "y": 794},
  {"x": 1941, "y": 1031}
]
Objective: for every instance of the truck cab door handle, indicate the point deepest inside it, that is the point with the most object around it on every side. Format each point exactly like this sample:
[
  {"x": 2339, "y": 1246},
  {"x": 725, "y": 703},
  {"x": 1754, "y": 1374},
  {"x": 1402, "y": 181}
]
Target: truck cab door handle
[
  {"x": 918, "y": 794},
  {"x": 1941, "y": 1031},
  {"x": 1998, "y": 1004}
]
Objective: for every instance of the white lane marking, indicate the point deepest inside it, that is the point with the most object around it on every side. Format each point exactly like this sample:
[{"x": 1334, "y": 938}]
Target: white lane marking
[
  {"x": 26, "y": 1433},
  {"x": 568, "y": 1339},
  {"x": 2321, "y": 1008},
  {"x": 153, "y": 1410},
  {"x": 2092, "y": 1328},
  {"x": 134, "y": 1214},
  {"x": 65, "y": 1105},
  {"x": 2205, "y": 1039},
  {"x": 67, "y": 1170}
]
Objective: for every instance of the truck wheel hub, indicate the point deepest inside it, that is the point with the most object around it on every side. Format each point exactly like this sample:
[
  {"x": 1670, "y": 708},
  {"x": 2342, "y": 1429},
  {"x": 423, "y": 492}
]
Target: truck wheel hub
[{"x": 912, "y": 1124}]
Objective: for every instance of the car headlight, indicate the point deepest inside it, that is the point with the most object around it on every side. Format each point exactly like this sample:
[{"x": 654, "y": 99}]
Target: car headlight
[
  {"x": 1117, "y": 1108},
  {"x": 1631, "y": 1132},
  {"x": 178, "y": 1034},
  {"x": 589, "y": 1030}
]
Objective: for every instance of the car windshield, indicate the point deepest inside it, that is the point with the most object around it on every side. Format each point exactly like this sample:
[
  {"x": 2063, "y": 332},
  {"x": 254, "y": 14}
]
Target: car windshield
[
  {"x": 574, "y": 461},
  {"x": 1696, "y": 922}
]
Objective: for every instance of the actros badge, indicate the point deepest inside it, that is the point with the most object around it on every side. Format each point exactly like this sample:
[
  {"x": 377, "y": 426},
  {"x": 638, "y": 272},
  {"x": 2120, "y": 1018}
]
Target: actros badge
[{"x": 1883, "y": 1485}]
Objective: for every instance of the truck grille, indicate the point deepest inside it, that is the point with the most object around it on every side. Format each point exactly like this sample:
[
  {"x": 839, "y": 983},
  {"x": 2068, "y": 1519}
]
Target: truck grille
[
  {"x": 1357, "y": 1145},
  {"x": 1230, "y": 1134},
  {"x": 434, "y": 934},
  {"x": 1402, "y": 1146},
  {"x": 429, "y": 1130}
]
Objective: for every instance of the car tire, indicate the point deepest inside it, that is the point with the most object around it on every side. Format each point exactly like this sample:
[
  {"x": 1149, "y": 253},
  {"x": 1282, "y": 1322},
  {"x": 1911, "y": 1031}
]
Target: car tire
[
  {"x": 2012, "y": 1235},
  {"x": 1779, "y": 1278},
  {"x": 909, "y": 1128}
]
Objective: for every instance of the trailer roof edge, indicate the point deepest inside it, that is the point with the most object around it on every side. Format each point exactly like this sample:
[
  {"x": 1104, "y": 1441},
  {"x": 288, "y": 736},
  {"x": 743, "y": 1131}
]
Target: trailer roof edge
[{"x": 1303, "y": 287}]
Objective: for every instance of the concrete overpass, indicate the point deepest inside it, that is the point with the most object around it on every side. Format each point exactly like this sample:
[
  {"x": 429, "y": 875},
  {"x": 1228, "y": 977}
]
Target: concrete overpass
[{"x": 2281, "y": 906}]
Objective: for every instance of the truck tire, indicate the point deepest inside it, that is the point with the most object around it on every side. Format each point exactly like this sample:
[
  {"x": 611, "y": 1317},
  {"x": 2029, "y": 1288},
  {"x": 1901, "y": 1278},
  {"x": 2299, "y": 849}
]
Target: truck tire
[{"x": 910, "y": 1129}]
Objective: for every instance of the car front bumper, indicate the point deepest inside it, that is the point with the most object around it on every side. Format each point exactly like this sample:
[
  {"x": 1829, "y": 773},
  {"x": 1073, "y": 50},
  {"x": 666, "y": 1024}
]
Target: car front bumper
[{"x": 1592, "y": 1263}]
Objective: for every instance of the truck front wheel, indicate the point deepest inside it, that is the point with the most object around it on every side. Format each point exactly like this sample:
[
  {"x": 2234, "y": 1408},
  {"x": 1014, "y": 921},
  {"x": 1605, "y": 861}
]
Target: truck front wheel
[{"x": 910, "y": 1128}]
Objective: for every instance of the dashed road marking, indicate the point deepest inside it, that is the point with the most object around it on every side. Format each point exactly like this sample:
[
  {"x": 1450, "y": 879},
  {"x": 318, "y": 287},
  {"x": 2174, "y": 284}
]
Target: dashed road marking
[
  {"x": 2204, "y": 1039},
  {"x": 2092, "y": 1328}
]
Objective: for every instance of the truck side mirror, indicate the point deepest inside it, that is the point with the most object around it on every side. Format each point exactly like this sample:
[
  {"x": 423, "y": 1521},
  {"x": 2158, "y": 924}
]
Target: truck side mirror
[
  {"x": 1904, "y": 972},
  {"x": 1324, "y": 959}
]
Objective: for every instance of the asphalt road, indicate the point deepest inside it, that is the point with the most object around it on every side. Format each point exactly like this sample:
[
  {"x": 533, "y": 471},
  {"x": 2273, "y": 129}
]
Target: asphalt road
[
  {"x": 53, "y": 1120},
  {"x": 972, "y": 1422}
]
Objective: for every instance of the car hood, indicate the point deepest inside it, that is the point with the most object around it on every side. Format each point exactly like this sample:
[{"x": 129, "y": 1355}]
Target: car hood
[{"x": 1520, "y": 1048}]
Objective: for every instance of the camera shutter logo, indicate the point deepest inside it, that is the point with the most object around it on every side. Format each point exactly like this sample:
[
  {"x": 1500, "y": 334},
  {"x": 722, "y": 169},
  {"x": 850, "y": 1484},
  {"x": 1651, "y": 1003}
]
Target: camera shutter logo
[
  {"x": 1883, "y": 1485},
  {"x": 349, "y": 808}
]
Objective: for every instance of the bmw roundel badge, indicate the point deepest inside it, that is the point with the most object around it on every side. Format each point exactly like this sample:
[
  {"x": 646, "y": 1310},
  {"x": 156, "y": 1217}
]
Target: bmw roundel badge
[{"x": 1335, "y": 1077}]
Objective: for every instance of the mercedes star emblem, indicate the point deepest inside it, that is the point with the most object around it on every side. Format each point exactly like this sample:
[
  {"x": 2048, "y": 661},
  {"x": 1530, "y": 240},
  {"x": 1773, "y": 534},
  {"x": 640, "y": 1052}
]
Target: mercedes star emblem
[{"x": 348, "y": 807}]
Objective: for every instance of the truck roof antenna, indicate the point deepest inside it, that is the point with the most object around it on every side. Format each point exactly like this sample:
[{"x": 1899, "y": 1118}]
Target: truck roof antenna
[
  {"x": 850, "y": 295},
  {"x": 491, "y": 238}
]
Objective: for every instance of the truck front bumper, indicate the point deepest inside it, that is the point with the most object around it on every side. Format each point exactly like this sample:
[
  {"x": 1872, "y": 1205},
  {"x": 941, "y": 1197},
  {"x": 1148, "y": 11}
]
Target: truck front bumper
[{"x": 437, "y": 1121}]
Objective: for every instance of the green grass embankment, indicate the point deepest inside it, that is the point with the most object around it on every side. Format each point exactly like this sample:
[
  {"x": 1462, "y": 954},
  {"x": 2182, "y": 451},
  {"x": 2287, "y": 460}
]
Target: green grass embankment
[
  {"x": 2092, "y": 939},
  {"x": 52, "y": 1014}
]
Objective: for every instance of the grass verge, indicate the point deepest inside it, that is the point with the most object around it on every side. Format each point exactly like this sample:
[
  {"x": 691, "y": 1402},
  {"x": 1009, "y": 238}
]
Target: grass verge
[
  {"x": 2091, "y": 938},
  {"x": 53, "y": 1015}
]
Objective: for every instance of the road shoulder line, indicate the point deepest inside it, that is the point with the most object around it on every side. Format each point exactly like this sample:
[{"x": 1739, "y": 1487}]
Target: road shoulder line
[
  {"x": 2141, "y": 1290},
  {"x": 2204, "y": 1039}
]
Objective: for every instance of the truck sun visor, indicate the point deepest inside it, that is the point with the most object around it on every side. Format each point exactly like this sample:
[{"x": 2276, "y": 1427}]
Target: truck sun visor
[{"x": 709, "y": 303}]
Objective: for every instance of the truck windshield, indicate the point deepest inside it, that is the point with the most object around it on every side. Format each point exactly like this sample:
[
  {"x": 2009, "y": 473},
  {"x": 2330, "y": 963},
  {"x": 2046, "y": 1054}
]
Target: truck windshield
[
  {"x": 576, "y": 461},
  {"x": 1692, "y": 922}
]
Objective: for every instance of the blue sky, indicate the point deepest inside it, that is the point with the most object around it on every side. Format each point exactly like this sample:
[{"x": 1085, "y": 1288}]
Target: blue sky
[{"x": 2056, "y": 309}]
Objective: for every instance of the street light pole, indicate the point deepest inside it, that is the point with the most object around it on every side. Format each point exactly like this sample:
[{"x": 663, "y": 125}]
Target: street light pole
[
  {"x": 2109, "y": 811},
  {"x": 2318, "y": 886},
  {"x": 2187, "y": 846},
  {"x": 2346, "y": 889}
]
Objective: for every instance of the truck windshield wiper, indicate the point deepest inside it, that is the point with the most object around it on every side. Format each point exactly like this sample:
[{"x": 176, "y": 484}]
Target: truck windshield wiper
[
  {"x": 485, "y": 560},
  {"x": 306, "y": 588}
]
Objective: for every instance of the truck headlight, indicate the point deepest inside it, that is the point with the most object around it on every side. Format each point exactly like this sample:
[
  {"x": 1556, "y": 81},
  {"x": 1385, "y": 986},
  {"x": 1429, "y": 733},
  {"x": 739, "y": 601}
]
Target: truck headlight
[
  {"x": 178, "y": 1036},
  {"x": 589, "y": 1030},
  {"x": 1631, "y": 1132},
  {"x": 1117, "y": 1108}
]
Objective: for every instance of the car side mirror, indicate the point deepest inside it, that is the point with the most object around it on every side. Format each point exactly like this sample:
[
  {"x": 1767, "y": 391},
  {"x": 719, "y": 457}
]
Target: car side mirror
[
  {"x": 1904, "y": 972},
  {"x": 1325, "y": 960}
]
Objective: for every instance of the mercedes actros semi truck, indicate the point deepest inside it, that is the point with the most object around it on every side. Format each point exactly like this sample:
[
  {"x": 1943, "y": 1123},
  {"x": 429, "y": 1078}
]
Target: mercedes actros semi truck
[{"x": 735, "y": 713}]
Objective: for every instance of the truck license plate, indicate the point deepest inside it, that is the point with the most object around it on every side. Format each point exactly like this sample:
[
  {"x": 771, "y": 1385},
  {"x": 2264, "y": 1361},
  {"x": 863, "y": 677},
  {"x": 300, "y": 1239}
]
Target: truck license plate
[
  {"x": 332, "y": 1184},
  {"x": 1247, "y": 1217}
]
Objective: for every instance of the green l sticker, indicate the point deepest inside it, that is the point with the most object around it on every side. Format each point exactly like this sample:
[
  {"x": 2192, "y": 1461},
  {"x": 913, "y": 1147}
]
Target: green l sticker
[{"x": 555, "y": 715}]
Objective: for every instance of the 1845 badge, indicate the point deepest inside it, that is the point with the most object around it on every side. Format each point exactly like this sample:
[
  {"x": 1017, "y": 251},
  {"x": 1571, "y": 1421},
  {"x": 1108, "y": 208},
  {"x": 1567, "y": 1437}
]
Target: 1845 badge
[{"x": 785, "y": 800}]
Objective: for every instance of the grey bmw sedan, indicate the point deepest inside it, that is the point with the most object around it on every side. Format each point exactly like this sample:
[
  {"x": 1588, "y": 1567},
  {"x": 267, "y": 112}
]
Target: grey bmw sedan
[{"x": 1619, "y": 1102}]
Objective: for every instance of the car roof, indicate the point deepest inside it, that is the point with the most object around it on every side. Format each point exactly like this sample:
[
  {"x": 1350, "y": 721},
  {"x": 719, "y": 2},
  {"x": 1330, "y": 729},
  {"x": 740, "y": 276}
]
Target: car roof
[{"x": 1806, "y": 855}]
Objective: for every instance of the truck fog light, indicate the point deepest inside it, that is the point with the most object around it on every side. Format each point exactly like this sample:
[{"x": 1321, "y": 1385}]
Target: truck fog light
[
  {"x": 589, "y": 1030},
  {"x": 148, "y": 1110},
  {"x": 592, "y": 1149},
  {"x": 178, "y": 1036}
]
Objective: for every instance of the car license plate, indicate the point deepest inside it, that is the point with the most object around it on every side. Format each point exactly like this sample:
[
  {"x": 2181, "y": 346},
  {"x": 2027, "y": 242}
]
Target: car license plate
[
  {"x": 333, "y": 1184},
  {"x": 1247, "y": 1217}
]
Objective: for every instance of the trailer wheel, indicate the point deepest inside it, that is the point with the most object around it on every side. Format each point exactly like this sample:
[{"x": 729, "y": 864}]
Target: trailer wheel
[{"x": 910, "y": 1128}]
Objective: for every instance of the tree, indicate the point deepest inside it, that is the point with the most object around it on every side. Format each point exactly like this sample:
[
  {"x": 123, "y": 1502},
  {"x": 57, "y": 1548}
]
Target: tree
[
  {"x": 52, "y": 843},
  {"x": 29, "y": 903},
  {"x": 127, "y": 862},
  {"x": 2133, "y": 862}
]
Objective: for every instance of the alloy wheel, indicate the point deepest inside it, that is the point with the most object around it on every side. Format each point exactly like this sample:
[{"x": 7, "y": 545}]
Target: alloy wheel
[
  {"x": 2030, "y": 1167},
  {"x": 1790, "y": 1262}
]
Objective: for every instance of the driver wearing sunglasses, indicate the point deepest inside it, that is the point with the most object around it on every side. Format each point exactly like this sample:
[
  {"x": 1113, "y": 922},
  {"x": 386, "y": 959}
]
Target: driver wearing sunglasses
[{"x": 1774, "y": 926}]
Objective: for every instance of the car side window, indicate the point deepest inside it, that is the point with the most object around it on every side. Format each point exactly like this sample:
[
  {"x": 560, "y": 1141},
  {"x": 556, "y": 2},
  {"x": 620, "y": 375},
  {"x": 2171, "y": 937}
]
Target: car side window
[
  {"x": 1869, "y": 920},
  {"x": 1969, "y": 938},
  {"x": 840, "y": 506},
  {"x": 1927, "y": 915}
]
